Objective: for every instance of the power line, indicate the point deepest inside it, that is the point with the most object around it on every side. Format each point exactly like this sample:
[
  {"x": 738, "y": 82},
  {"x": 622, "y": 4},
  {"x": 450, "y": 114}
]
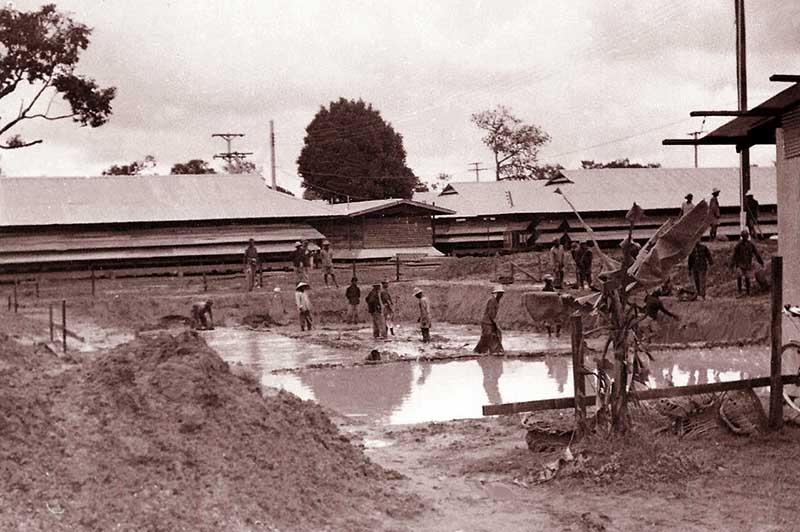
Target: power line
[
  {"x": 229, "y": 156},
  {"x": 477, "y": 169}
]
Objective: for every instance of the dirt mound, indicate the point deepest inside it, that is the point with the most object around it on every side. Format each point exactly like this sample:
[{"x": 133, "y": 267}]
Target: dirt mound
[{"x": 159, "y": 435}]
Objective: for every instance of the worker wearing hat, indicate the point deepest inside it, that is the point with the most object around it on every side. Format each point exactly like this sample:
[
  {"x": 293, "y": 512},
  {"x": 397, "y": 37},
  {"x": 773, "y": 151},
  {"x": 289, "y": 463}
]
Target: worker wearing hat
[
  {"x": 375, "y": 308},
  {"x": 303, "y": 304},
  {"x": 751, "y": 214},
  {"x": 714, "y": 213},
  {"x": 424, "y": 318},
  {"x": 388, "y": 308},
  {"x": 250, "y": 265},
  {"x": 326, "y": 258},
  {"x": 687, "y": 205},
  {"x": 491, "y": 335},
  {"x": 298, "y": 262}
]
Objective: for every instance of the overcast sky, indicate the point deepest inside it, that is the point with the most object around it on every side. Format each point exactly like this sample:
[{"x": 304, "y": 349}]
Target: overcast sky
[{"x": 606, "y": 79}]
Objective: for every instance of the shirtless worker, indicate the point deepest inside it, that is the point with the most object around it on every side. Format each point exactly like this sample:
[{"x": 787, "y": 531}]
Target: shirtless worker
[{"x": 250, "y": 265}]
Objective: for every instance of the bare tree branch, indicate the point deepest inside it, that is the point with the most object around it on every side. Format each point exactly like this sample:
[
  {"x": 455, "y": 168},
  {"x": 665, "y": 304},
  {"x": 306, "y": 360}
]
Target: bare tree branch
[{"x": 22, "y": 145}]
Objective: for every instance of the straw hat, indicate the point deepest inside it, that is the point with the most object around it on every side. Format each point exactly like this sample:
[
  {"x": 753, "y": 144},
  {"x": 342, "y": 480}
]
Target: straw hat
[
  {"x": 749, "y": 193},
  {"x": 297, "y": 244},
  {"x": 326, "y": 243},
  {"x": 688, "y": 196},
  {"x": 417, "y": 291},
  {"x": 715, "y": 190},
  {"x": 301, "y": 284},
  {"x": 498, "y": 289}
]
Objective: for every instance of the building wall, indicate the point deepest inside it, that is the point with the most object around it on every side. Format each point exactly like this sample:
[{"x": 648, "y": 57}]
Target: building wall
[
  {"x": 789, "y": 230},
  {"x": 378, "y": 231}
]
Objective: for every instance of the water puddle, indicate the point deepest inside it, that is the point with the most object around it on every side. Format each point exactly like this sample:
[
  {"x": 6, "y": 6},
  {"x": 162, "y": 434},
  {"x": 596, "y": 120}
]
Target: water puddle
[{"x": 422, "y": 391}]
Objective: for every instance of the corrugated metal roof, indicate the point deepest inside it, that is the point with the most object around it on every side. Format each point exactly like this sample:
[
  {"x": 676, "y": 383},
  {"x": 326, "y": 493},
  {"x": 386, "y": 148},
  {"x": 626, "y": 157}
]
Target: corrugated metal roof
[
  {"x": 357, "y": 208},
  {"x": 603, "y": 190},
  {"x": 120, "y": 199}
]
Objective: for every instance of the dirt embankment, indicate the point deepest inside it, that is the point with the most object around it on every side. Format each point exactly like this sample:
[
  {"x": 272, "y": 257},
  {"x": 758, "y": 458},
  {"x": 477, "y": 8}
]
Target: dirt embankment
[{"x": 158, "y": 435}]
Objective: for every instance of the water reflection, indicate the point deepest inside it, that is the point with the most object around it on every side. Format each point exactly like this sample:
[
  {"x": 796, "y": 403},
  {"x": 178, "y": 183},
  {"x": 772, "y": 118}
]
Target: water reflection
[{"x": 414, "y": 392}]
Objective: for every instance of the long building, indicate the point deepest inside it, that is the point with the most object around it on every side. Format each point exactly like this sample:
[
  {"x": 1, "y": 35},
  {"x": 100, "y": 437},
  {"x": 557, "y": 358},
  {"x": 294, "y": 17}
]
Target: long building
[{"x": 513, "y": 215}]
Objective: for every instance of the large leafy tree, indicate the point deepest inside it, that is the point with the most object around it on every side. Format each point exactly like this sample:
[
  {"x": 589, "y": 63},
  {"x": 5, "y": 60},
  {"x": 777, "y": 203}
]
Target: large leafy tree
[
  {"x": 351, "y": 151},
  {"x": 515, "y": 145},
  {"x": 134, "y": 168},
  {"x": 194, "y": 166},
  {"x": 617, "y": 163},
  {"x": 39, "y": 51},
  {"x": 239, "y": 165}
]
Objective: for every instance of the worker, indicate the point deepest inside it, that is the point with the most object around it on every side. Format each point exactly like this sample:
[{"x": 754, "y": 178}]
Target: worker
[
  {"x": 557, "y": 262},
  {"x": 353, "y": 296},
  {"x": 653, "y": 305},
  {"x": 375, "y": 309},
  {"x": 388, "y": 309},
  {"x": 298, "y": 262},
  {"x": 549, "y": 285},
  {"x": 250, "y": 264},
  {"x": 714, "y": 213},
  {"x": 699, "y": 260},
  {"x": 574, "y": 251},
  {"x": 548, "y": 324},
  {"x": 202, "y": 316},
  {"x": 742, "y": 261},
  {"x": 424, "y": 318},
  {"x": 584, "y": 265},
  {"x": 326, "y": 258},
  {"x": 491, "y": 335},
  {"x": 308, "y": 260},
  {"x": 303, "y": 304},
  {"x": 687, "y": 205},
  {"x": 630, "y": 250},
  {"x": 751, "y": 211}
]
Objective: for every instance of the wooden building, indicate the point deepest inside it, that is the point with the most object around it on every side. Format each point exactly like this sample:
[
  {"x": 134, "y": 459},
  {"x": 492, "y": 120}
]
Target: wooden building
[
  {"x": 380, "y": 229},
  {"x": 65, "y": 223},
  {"x": 500, "y": 216}
]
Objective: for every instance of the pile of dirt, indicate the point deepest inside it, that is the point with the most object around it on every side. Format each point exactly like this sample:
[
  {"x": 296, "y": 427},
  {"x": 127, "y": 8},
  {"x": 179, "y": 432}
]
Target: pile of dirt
[{"x": 158, "y": 434}]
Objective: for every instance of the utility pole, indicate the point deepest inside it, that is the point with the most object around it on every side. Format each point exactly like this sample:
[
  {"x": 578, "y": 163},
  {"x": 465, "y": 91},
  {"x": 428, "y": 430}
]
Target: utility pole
[
  {"x": 741, "y": 82},
  {"x": 476, "y": 167},
  {"x": 229, "y": 155},
  {"x": 272, "y": 153},
  {"x": 695, "y": 134}
]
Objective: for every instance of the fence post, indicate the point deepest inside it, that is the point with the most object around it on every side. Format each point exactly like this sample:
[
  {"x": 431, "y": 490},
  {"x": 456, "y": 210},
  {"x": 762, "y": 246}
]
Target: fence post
[
  {"x": 92, "y": 282},
  {"x": 52, "y": 336},
  {"x": 37, "y": 288},
  {"x": 9, "y": 303},
  {"x": 776, "y": 339},
  {"x": 353, "y": 264},
  {"x": 64, "y": 323},
  {"x": 578, "y": 374},
  {"x": 16, "y": 301},
  {"x": 397, "y": 264},
  {"x": 205, "y": 283}
]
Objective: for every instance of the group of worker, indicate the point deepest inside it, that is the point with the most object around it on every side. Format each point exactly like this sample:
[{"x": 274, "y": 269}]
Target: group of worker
[{"x": 582, "y": 258}]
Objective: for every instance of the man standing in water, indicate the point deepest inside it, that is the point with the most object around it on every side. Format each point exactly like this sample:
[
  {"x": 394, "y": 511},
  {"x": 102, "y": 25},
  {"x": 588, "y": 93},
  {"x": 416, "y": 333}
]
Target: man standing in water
[
  {"x": 491, "y": 336},
  {"x": 742, "y": 261},
  {"x": 353, "y": 295},
  {"x": 388, "y": 309},
  {"x": 375, "y": 309},
  {"x": 303, "y": 305},
  {"x": 424, "y": 315}
]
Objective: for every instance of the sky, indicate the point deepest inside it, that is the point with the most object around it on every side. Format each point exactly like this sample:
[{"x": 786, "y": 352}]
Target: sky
[{"x": 606, "y": 79}]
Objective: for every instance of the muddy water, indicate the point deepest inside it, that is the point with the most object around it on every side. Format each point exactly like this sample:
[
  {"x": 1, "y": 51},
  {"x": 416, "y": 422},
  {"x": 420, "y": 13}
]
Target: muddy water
[{"x": 416, "y": 391}]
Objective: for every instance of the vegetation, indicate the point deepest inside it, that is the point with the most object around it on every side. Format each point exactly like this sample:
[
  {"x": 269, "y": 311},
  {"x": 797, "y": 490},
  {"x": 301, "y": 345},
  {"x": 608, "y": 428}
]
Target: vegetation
[
  {"x": 40, "y": 51},
  {"x": 351, "y": 151},
  {"x": 618, "y": 163},
  {"x": 194, "y": 166},
  {"x": 515, "y": 145},
  {"x": 134, "y": 168}
]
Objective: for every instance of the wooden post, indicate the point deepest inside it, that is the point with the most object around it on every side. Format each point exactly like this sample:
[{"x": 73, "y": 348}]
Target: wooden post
[
  {"x": 92, "y": 282},
  {"x": 397, "y": 263},
  {"x": 354, "y": 268},
  {"x": 52, "y": 336},
  {"x": 64, "y": 323},
  {"x": 9, "y": 303},
  {"x": 776, "y": 339},
  {"x": 16, "y": 301},
  {"x": 512, "y": 271},
  {"x": 578, "y": 375},
  {"x": 205, "y": 282},
  {"x": 37, "y": 288}
]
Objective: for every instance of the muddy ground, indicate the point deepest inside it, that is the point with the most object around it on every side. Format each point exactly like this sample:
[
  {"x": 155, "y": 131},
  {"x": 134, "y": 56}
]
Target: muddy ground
[{"x": 160, "y": 434}]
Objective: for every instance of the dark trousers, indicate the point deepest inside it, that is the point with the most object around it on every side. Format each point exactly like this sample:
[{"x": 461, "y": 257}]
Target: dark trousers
[
  {"x": 584, "y": 276},
  {"x": 426, "y": 334},
  {"x": 713, "y": 233},
  {"x": 305, "y": 320},
  {"x": 699, "y": 277},
  {"x": 378, "y": 325}
]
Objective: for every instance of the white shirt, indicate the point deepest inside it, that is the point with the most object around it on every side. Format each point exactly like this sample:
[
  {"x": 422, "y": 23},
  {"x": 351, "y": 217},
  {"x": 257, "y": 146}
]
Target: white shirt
[{"x": 302, "y": 301}]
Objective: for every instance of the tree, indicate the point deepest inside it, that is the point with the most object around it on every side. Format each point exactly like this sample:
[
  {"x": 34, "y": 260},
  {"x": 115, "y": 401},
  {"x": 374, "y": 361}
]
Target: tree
[
  {"x": 351, "y": 151},
  {"x": 618, "y": 163},
  {"x": 40, "y": 51},
  {"x": 194, "y": 166},
  {"x": 546, "y": 171},
  {"x": 134, "y": 168},
  {"x": 239, "y": 166},
  {"x": 515, "y": 144}
]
